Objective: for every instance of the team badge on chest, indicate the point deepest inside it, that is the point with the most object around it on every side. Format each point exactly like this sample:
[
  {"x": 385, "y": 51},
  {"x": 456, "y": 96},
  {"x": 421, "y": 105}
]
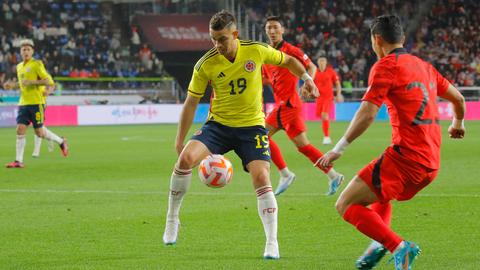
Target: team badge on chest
[{"x": 249, "y": 66}]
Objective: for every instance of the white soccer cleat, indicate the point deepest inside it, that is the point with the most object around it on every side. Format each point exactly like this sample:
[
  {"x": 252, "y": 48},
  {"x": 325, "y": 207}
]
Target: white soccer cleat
[
  {"x": 271, "y": 251},
  {"x": 171, "y": 232},
  {"x": 50, "y": 145},
  {"x": 284, "y": 183},
  {"x": 36, "y": 155},
  {"x": 327, "y": 140}
]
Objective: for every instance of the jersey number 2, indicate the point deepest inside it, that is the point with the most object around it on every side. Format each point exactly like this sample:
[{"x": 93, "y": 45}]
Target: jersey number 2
[{"x": 418, "y": 117}]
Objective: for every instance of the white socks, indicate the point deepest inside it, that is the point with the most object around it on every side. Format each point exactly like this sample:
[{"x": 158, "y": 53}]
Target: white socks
[
  {"x": 285, "y": 172},
  {"x": 37, "y": 145},
  {"x": 21, "y": 141},
  {"x": 268, "y": 212},
  {"x": 332, "y": 174},
  {"x": 179, "y": 184},
  {"x": 52, "y": 136}
]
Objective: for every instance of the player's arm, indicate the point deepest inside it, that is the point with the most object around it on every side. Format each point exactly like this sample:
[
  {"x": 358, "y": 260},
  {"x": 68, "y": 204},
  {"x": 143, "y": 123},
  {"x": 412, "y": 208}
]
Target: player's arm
[
  {"x": 296, "y": 68},
  {"x": 186, "y": 120},
  {"x": 311, "y": 69},
  {"x": 338, "y": 88},
  {"x": 457, "y": 128}
]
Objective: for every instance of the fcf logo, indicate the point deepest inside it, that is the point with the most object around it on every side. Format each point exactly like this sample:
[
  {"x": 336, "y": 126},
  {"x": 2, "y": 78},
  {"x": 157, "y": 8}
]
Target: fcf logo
[
  {"x": 250, "y": 66},
  {"x": 269, "y": 210}
]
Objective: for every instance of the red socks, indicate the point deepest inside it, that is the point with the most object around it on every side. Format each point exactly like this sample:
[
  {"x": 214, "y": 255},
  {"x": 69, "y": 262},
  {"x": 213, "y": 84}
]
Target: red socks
[
  {"x": 384, "y": 210},
  {"x": 326, "y": 128},
  {"x": 371, "y": 224},
  {"x": 277, "y": 157},
  {"x": 313, "y": 154}
]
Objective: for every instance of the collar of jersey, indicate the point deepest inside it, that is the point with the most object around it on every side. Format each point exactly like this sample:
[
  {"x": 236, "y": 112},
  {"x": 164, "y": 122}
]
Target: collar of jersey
[
  {"x": 236, "y": 56},
  {"x": 398, "y": 50}
]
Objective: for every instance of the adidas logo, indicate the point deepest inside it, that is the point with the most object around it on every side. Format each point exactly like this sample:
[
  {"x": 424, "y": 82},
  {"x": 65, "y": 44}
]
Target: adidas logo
[{"x": 221, "y": 75}]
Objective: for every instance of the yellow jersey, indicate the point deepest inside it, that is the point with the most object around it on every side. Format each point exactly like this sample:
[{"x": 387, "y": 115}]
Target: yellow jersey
[
  {"x": 237, "y": 86},
  {"x": 32, "y": 70}
]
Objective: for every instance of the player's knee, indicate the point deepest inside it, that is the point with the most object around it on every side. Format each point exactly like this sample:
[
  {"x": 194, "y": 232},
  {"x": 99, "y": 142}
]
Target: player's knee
[{"x": 186, "y": 161}]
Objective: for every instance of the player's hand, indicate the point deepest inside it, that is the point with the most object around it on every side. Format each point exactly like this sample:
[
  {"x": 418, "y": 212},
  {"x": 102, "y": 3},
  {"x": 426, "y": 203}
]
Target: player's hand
[
  {"x": 456, "y": 133},
  {"x": 309, "y": 89},
  {"x": 339, "y": 98},
  {"x": 8, "y": 85},
  {"x": 48, "y": 90},
  {"x": 328, "y": 158}
]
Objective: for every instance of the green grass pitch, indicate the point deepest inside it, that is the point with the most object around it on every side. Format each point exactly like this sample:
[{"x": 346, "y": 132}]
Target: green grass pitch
[{"x": 104, "y": 206}]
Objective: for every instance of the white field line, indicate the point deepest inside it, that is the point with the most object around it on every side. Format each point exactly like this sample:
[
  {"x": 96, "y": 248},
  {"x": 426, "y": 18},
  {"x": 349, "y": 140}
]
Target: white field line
[{"x": 130, "y": 192}]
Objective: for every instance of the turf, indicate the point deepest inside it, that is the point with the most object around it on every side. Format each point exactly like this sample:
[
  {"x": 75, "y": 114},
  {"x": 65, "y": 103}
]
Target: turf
[{"x": 104, "y": 207}]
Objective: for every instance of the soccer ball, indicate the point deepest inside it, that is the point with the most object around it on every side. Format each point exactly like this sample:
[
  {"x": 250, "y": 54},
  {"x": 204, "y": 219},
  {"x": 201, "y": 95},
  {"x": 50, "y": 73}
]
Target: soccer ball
[{"x": 215, "y": 171}]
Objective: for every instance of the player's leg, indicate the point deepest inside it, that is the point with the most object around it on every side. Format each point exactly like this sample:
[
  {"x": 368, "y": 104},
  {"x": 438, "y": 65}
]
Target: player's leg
[
  {"x": 326, "y": 128},
  {"x": 314, "y": 154},
  {"x": 252, "y": 148},
  {"x": 180, "y": 180},
  {"x": 45, "y": 133},
  {"x": 286, "y": 176},
  {"x": 267, "y": 205},
  {"x": 23, "y": 120},
  {"x": 375, "y": 251},
  {"x": 37, "y": 144}
]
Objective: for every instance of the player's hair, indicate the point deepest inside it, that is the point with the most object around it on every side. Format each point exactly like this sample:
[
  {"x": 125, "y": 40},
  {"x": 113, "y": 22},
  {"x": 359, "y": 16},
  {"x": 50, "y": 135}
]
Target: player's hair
[
  {"x": 274, "y": 19},
  {"x": 388, "y": 27},
  {"x": 27, "y": 42},
  {"x": 221, "y": 20}
]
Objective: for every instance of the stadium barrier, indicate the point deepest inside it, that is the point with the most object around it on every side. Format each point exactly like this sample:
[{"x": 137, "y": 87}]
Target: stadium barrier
[{"x": 170, "y": 113}]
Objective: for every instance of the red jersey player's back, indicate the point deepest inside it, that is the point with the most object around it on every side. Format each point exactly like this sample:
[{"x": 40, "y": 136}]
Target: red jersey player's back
[
  {"x": 284, "y": 83},
  {"x": 410, "y": 86}
]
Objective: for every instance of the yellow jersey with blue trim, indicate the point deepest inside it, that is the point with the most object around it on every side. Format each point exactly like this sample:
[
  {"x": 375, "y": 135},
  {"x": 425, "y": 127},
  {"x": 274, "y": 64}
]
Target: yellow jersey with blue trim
[
  {"x": 237, "y": 99},
  {"x": 32, "y": 70}
]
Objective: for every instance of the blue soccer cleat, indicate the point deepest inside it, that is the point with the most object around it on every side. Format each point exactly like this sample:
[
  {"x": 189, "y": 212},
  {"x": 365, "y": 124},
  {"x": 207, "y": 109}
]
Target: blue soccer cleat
[
  {"x": 405, "y": 256},
  {"x": 284, "y": 183},
  {"x": 334, "y": 184},
  {"x": 371, "y": 257}
]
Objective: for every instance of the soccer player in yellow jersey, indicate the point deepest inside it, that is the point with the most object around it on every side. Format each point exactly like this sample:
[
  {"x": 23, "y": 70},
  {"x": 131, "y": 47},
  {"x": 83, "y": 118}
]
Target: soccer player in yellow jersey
[
  {"x": 34, "y": 82},
  {"x": 37, "y": 141},
  {"x": 235, "y": 122}
]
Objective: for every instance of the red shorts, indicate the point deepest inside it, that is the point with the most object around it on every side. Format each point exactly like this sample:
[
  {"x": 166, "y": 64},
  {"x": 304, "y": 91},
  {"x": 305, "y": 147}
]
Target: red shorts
[
  {"x": 323, "y": 105},
  {"x": 288, "y": 118},
  {"x": 393, "y": 177}
]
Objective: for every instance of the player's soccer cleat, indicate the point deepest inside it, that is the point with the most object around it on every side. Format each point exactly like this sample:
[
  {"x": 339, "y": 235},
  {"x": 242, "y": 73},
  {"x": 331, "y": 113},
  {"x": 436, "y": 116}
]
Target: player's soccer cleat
[
  {"x": 64, "y": 147},
  {"x": 371, "y": 257},
  {"x": 271, "y": 251},
  {"x": 171, "y": 232},
  {"x": 327, "y": 140},
  {"x": 35, "y": 155},
  {"x": 284, "y": 183},
  {"x": 334, "y": 184},
  {"x": 405, "y": 256},
  {"x": 15, "y": 164},
  {"x": 50, "y": 145}
]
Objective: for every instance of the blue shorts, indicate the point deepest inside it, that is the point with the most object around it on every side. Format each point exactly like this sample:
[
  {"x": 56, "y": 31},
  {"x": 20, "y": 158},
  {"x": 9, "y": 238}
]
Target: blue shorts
[
  {"x": 34, "y": 114},
  {"x": 249, "y": 143}
]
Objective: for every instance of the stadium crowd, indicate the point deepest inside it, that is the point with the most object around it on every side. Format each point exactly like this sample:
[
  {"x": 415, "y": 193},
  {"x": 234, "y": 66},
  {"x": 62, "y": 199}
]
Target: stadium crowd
[
  {"x": 448, "y": 35},
  {"x": 74, "y": 39}
]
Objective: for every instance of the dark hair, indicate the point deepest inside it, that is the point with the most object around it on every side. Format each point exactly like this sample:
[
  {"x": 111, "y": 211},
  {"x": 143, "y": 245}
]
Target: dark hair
[
  {"x": 274, "y": 19},
  {"x": 221, "y": 20},
  {"x": 388, "y": 27}
]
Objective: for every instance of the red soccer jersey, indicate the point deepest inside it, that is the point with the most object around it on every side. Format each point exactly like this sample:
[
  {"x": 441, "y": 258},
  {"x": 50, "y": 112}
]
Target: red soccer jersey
[
  {"x": 283, "y": 82},
  {"x": 324, "y": 80},
  {"x": 409, "y": 87}
]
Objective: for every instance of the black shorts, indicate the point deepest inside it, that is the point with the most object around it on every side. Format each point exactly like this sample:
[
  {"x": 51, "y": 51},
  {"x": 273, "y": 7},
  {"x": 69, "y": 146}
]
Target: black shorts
[
  {"x": 34, "y": 114},
  {"x": 249, "y": 143}
]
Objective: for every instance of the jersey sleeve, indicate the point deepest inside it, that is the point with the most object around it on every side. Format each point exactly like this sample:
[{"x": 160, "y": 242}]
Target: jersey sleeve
[
  {"x": 270, "y": 55},
  {"x": 42, "y": 72},
  {"x": 442, "y": 83},
  {"x": 198, "y": 83},
  {"x": 335, "y": 77},
  {"x": 300, "y": 55},
  {"x": 380, "y": 82}
]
